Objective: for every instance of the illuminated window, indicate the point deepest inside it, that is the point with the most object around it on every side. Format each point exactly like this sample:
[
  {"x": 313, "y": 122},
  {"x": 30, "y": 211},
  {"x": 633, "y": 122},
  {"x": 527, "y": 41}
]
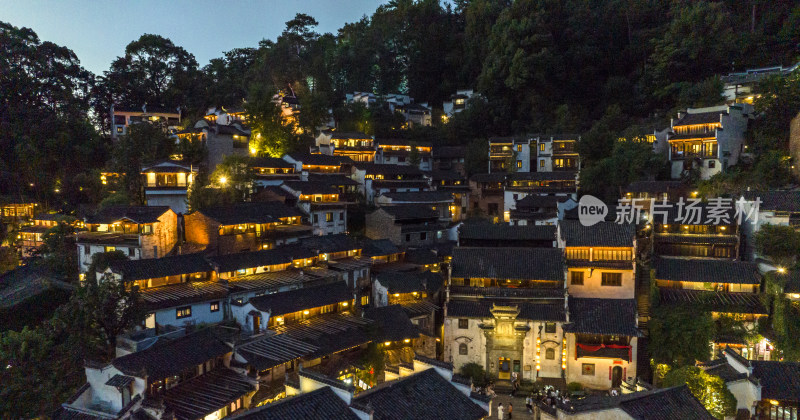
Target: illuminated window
[
  {"x": 214, "y": 307},
  {"x": 611, "y": 279},
  {"x": 576, "y": 278},
  {"x": 519, "y": 164},
  {"x": 541, "y": 147},
  {"x": 541, "y": 163},
  {"x": 110, "y": 249},
  {"x": 329, "y": 216},
  {"x": 183, "y": 312}
]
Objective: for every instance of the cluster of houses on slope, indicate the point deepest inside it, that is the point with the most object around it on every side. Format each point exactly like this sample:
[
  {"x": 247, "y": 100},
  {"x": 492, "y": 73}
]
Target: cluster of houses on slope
[{"x": 251, "y": 303}]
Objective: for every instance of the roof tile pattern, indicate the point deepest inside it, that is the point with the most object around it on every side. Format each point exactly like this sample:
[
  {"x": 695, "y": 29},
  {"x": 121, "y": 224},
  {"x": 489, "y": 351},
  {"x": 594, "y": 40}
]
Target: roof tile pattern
[
  {"x": 706, "y": 271},
  {"x": 300, "y": 299},
  {"x": 508, "y": 263},
  {"x": 425, "y": 395},
  {"x": 322, "y": 403},
  {"x": 610, "y": 234},
  {"x": 603, "y": 316}
]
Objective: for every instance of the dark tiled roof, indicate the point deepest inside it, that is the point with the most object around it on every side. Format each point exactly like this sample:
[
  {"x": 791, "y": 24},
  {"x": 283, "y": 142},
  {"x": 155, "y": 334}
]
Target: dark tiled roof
[
  {"x": 207, "y": 393},
  {"x": 402, "y": 142},
  {"x": 776, "y": 200},
  {"x": 160, "y": 267},
  {"x": 528, "y": 310},
  {"x": 509, "y": 292},
  {"x": 387, "y": 169},
  {"x": 779, "y": 380},
  {"x": 720, "y": 367},
  {"x": 449, "y": 152},
  {"x": 269, "y": 162},
  {"x": 379, "y": 247},
  {"x": 748, "y": 303},
  {"x": 55, "y": 217},
  {"x": 119, "y": 380},
  {"x": 407, "y": 282},
  {"x": 424, "y": 395},
  {"x": 665, "y": 404},
  {"x": 383, "y": 184},
  {"x": 700, "y": 118},
  {"x": 300, "y": 299},
  {"x": 706, "y": 271},
  {"x": 492, "y": 177},
  {"x": 540, "y": 202},
  {"x": 172, "y": 357},
  {"x": 543, "y": 176},
  {"x": 410, "y": 212},
  {"x": 136, "y": 214},
  {"x": 502, "y": 231},
  {"x": 231, "y": 130},
  {"x": 603, "y": 316},
  {"x": 273, "y": 350},
  {"x": 330, "y": 243},
  {"x": 330, "y": 333},
  {"x": 446, "y": 176},
  {"x": 659, "y": 404},
  {"x": 183, "y": 294},
  {"x": 68, "y": 413},
  {"x": 320, "y": 160},
  {"x": 349, "y": 135},
  {"x": 265, "y": 212},
  {"x": 419, "y": 196},
  {"x": 444, "y": 365},
  {"x": 653, "y": 186},
  {"x": 419, "y": 308},
  {"x": 696, "y": 239},
  {"x": 332, "y": 179},
  {"x": 710, "y": 134},
  {"x": 311, "y": 187},
  {"x": 508, "y": 263},
  {"x": 392, "y": 322},
  {"x": 602, "y": 234},
  {"x": 422, "y": 256},
  {"x": 322, "y": 403},
  {"x": 280, "y": 255}
]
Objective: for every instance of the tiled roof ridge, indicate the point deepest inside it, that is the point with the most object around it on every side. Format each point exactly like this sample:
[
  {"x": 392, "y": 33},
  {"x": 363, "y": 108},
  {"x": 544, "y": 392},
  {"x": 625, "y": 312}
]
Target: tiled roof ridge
[
  {"x": 434, "y": 362},
  {"x": 325, "y": 379}
]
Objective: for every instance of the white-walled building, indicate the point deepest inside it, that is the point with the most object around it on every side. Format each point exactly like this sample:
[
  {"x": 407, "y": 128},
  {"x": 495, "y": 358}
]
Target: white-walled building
[{"x": 708, "y": 140}]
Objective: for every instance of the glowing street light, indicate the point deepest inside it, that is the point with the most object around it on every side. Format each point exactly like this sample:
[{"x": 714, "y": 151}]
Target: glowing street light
[{"x": 223, "y": 180}]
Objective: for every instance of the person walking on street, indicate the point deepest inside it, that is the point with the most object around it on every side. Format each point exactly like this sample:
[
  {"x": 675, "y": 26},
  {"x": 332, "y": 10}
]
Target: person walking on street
[
  {"x": 510, "y": 409},
  {"x": 500, "y": 412}
]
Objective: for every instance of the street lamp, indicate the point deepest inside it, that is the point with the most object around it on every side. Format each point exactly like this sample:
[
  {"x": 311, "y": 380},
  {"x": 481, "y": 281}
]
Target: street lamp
[{"x": 223, "y": 180}]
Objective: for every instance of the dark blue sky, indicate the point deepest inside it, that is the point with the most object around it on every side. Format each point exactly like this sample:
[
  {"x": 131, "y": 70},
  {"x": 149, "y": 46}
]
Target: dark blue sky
[{"x": 98, "y": 31}]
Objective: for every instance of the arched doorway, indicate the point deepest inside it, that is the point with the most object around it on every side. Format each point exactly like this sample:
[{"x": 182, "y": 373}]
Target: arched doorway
[{"x": 616, "y": 377}]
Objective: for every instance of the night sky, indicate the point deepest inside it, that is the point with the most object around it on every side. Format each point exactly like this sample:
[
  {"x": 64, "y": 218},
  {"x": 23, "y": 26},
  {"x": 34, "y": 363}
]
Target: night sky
[{"x": 98, "y": 31}]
